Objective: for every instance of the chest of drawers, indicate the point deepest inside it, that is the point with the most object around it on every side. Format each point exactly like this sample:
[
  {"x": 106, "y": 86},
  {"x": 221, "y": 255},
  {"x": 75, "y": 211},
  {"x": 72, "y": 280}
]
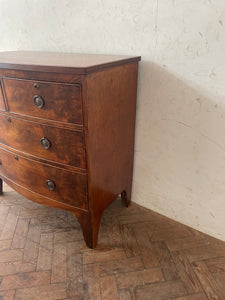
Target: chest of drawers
[{"x": 67, "y": 130}]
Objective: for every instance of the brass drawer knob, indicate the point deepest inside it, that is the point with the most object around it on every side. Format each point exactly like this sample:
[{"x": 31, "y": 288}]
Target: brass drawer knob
[
  {"x": 45, "y": 143},
  {"x": 38, "y": 101},
  {"x": 9, "y": 119},
  {"x": 50, "y": 185}
]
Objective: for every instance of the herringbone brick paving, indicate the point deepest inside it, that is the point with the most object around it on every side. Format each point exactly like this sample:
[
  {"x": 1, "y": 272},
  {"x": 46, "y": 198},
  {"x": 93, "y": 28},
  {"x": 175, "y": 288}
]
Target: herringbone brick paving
[{"x": 140, "y": 255}]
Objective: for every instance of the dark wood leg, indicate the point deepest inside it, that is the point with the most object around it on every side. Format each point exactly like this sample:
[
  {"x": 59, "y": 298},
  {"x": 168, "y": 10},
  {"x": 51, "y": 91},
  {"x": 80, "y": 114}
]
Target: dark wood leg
[
  {"x": 124, "y": 199},
  {"x": 90, "y": 227},
  {"x": 1, "y": 188}
]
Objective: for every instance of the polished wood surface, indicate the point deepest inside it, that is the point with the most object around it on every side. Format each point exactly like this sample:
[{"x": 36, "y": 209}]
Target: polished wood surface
[
  {"x": 110, "y": 162},
  {"x": 25, "y": 136},
  {"x": 70, "y": 187},
  {"x": 61, "y": 62},
  {"x": 19, "y": 95},
  {"x": 87, "y": 118},
  {"x": 2, "y": 104}
]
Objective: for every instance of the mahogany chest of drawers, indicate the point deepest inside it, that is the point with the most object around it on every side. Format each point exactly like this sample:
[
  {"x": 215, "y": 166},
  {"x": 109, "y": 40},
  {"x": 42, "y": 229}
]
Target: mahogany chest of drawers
[{"x": 67, "y": 130}]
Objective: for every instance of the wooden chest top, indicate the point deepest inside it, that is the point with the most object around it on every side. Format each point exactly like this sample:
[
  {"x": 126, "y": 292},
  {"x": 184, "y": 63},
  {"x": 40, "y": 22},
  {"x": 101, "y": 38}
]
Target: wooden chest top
[{"x": 54, "y": 62}]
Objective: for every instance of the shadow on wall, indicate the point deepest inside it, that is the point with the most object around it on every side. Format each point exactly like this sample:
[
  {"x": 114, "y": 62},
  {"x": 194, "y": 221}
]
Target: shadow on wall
[{"x": 179, "y": 168}]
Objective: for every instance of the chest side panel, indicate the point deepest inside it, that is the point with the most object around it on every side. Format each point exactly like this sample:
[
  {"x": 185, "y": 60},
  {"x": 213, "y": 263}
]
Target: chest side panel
[{"x": 110, "y": 101}]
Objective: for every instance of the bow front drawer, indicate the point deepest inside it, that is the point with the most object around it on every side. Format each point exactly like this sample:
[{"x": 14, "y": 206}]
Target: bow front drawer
[
  {"x": 47, "y": 100},
  {"x": 57, "y": 144},
  {"x": 55, "y": 183}
]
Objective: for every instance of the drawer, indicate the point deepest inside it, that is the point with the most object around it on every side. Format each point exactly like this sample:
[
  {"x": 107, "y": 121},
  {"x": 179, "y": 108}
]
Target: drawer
[
  {"x": 61, "y": 145},
  {"x": 56, "y": 183},
  {"x": 47, "y": 100}
]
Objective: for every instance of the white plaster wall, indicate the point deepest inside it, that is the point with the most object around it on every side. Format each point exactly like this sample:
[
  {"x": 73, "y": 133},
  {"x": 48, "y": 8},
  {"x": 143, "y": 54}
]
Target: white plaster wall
[{"x": 180, "y": 134}]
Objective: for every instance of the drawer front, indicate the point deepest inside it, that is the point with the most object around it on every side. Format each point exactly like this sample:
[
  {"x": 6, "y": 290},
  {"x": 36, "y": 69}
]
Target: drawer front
[
  {"x": 2, "y": 104},
  {"x": 47, "y": 100},
  {"x": 52, "y": 143},
  {"x": 58, "y": 184}
]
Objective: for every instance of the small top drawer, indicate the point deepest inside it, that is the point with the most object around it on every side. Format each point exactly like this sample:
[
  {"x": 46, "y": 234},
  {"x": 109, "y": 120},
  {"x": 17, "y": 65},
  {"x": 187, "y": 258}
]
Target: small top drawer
[{"x": 47, "y": 100}]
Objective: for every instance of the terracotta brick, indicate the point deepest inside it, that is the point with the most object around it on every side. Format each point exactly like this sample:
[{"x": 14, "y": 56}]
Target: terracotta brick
[
  {"x": 216, "y": 264},
  {"x": 180, "y": 232},
  {"x": 34, "y": 234},
  {"x": 20, "y": 235},
  {"x": 208, "y": 282},
  {"x": 140, "y": 255},
  {"x": 43, "y": 292},
  {"x": 4, "y": 210},
  {"x": 130, "y": 243},
  {"x": 25, "y": 280},
  {"x": 148, "y": 254},
  {"x": 92, "y": 288},
  {"x": 7, "y": 295},
  {"x": 165, "y": 260},
  {"x": 202, "y": 253},
  {"x": 186, "y": 243},
  {"x": 10, "y": 268},
  {"x": 77, "y": 246},
  {"x": 134, "y": 218},
  {"x": 5, "y": 244},
  {"x": 103, "y": 255},
  {"x": 109, "y": 288},
  {"x": 126, "y": 295},
  {"x": 162, "y": 291},
  {"x": 40, "y": 211},
  {"x": 59, "y": 263},
  {"x": 10, "y": 255},
  {"x": 75, "y": 283},
  {"x": 120, "y": 266},
  {"x": 111, "y": 229},
  {"x": 133, "y": 279},
  {"x": 43, "y": 220},
  {"x": 32, "y": 244},
  {"x": 186, "y": 273},
  {"x": 68, "y": 236},
  {"x": 220, "y": 280},
  {"x": 193, "y": 297},
  {"x": 44, "y": 261},
  {"x": 10, "y": 223}
]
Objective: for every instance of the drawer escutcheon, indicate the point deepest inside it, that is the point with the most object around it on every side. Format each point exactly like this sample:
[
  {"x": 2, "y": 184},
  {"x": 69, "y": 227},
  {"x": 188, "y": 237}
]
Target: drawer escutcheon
[
  {"x": 38, "y": 101},
  {"x": 50, "y": 185},
  {"x": 45, "y": 143}
]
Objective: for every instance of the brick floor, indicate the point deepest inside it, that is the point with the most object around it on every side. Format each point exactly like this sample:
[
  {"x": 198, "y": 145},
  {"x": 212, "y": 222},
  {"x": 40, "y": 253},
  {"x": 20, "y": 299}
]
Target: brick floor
[{"x": 140, "y": 255}]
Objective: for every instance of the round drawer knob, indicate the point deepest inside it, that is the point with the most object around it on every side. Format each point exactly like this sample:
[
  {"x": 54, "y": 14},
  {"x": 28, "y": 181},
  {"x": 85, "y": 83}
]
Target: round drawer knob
[
  {"x": 50, "y": 185},
  {"x": 38, "y": 101},
  {"x": 45, "y": 143}
]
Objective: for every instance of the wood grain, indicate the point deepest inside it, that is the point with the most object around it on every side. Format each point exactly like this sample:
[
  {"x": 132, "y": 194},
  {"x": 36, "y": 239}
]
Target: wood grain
[
  {"x": 87, "y": 115},
  {"x": 70, "y": 187},
  {"x": 66, "y": 146},
  {"x": 19, "y": 95}
]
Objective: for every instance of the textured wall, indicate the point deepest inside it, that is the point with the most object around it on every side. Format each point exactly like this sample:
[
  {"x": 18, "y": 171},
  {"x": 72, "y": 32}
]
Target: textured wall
[{"x": 180, "y": 142}]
